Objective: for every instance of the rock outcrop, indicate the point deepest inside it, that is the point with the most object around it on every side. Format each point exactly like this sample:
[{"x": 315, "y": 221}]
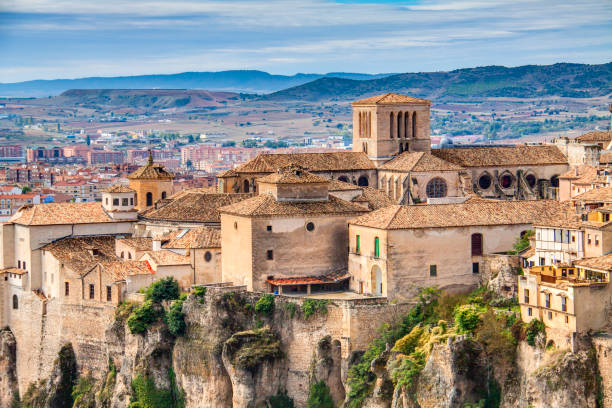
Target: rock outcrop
[{"x": 8, "y": 363}]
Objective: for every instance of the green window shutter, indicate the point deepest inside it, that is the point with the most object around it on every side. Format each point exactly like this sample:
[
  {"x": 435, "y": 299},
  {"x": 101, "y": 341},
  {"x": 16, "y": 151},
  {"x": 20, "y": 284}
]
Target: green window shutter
[
  {"x": 376, "y": 247},
  {"x": 358, "y": 246}
]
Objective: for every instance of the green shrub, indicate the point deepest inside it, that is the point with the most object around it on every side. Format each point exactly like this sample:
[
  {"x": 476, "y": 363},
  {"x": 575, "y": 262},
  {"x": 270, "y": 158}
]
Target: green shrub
[
  {"x": 290, "y": 308},
  {"x": 467, "y": 317},
  {"x": 534, "y": 328},
  {"x": 143, "y": 317},
  {"x": 163, "y": 289},
  {"x": 147, "y": 395},
  {"x": 280, "y": 400},
  {"x": 409, "y": 370},
  {"x": 313, "y": 306},
  {"x": 200, "y": 293},
  {"x": 248, "y": 349},
  {"x": 175, "y": 318},
  {"x": 265, "y": 304},
  {"x": 319, "y": 396},
  {"x": 81, "y": 393}
]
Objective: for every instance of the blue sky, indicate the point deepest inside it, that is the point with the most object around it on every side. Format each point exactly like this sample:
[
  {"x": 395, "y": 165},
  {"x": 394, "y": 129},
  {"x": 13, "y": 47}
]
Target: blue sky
[{"x": 45, "y": 39}]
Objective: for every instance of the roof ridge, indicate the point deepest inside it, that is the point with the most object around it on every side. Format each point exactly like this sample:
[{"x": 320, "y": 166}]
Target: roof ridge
[{"x": 397, "y": 210}]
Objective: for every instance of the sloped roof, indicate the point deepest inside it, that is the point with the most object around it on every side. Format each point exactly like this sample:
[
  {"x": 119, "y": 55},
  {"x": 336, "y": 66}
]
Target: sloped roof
[
  {"x": 602, "y": 263},
  {"x": 565, "y": 217},
  {"x": 167, "y": 258},
  {"x": 138, "y": 243},
  {"x": 375, "y": 198},
  {"x": 266, "y": 205},
  {"x": 76, "y": 252},
  {"x": 292, "y": 175},
  {"x": 151, "y": 171},
  {"x": 470, "y": 213},
  {"x": 120, "y": 269},
  {"x": 118, "y": 188},
  {"x": 60, "y": 214},
  {"x": 337, "y": 185},
  {"x": 521, "y": 155},
  {"x": 313, "y": 162},
  {"x": 601, "y": 194},
  {"x": 581, "y": 174},
  {"x": 594, "y": 137},
  {"x": 391, "y": 99},
  {"x": 419, "y": 161},
  {"x": 195, "y": 207},
  {"x": 191, "y": 238},
  {"x": 605, "y": 157}
]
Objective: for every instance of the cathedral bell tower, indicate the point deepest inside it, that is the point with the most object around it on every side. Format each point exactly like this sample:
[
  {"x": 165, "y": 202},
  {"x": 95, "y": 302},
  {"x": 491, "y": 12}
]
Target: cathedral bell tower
[{"x": 389, "y": 124}]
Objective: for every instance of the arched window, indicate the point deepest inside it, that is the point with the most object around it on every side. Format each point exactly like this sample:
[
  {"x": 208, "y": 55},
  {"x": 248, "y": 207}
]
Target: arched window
[
  {"x": 414, "y": 125},
  {"x": 207, "y": 256},
  {"x": 129, "y": 255},
  {"x": 163, "y": 195},
  {"x": 391, "y": 125},
  {"x": 245, "y": 187},
  {"x": 376, "y": 247},
  {"x": 399, "y": 125},
  {"x": 531, "y": 180},
  {"x": 506, "y": 180},
  {"x": 476, "y": 244},
  {"x": 122, "y": 255},
  {"x": 343, "y": 178},
  {"x": 407, "y": 124},
  {"x": 436, "y": 188},
  {"x": 149, "y": 199},
  {"x": 363, "y": 181},
  {"x": 15, "y": 302}
]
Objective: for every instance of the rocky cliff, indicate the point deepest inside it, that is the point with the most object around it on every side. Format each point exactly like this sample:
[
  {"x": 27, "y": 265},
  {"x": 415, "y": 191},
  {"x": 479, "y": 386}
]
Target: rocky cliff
[{"x": 238, "y": 351}]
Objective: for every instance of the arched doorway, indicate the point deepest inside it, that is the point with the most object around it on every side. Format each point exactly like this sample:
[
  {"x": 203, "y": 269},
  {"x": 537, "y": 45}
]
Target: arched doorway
[
  {"x": 245, "y": 188},
  {"x": 149, "y": 199},
  {"x": 363, "y": 181},
  {"x": 377, "y": 288}
]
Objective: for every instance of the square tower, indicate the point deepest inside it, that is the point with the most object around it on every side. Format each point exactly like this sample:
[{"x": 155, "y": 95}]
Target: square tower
[{"x": 389, "y": 124}]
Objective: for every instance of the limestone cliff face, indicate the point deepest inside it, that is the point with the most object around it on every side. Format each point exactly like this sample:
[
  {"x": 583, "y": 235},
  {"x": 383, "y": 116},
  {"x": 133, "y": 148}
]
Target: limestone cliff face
[
  {"x": 231, "y": 356},
  {"x": 8, "y": 364}
]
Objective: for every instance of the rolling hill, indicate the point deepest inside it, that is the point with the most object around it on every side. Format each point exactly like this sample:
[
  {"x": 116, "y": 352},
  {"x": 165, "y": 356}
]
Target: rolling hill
[
  {"x": 566, "y": 80},
  {"x": 231, "y": 81}
]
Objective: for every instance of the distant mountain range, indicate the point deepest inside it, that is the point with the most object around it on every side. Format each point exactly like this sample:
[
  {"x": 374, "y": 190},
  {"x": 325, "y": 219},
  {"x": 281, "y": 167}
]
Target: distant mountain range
[
  {"x": 529, "y": 81},
  {"x": 230, "y": 81}
]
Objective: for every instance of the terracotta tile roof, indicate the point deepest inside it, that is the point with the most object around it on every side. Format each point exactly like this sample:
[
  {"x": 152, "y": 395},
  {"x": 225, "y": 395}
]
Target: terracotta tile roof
[
  {"x": 602, "y": 263},
  {"x": 119, "y": 269},
  {"x": 605, "y": 157},
  {"x": 304, "y": 280},
  {"x": 61, "y": 213},
  {"x": 138, "y": 243},
  {"x": 337, "y": 185},
  {"x": 292, "y": 174},
  {"x": 151, "y": 171},
  {"x": 118, "y": 188},
  {"x": 419, "y": 161},
  {"x": 16, "y": 271},
  {"x": 166, "y": 258},
  {"x": 227, "y": 173},
  {"x": 597, "y": 195},
  {"x": 594, "y": 136},
  {"x": 314, "y": 162},
  {"x": 195, "y": 207},
  {"x": 470, "y": 213},
  {"x": 81, "y": 254},
  {"x": 582, "y": 174},
  {"x": 522, "y": 155},
  {"x": 266, "y": 205},
  {"x": 566, "y": 217},
  {"x": 191, "y": 238},
  {"x": 376, "y": 199},
  {"x": 391, "y": 99}
]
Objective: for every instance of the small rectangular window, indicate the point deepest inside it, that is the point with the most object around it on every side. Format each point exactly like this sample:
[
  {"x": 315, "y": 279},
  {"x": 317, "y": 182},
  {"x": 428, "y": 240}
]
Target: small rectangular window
[
  {"x": 109, "y": 294},
  {"x": 92, "y": 291},
  {"x": 529, "y": 311},
  {"x": 549, "y": 315},
  {"x": 433, "y": 270},
  {"x": 131, "y": 200},
  {"x": 115, "y": 201},
  {"x": 269, "y": 228},
  {"x": 475, "y": 267},
  {"x": 66, "y": 288},
  {"x": 124, "y": 202},
  {"x": 19, "y": 264},
  {"x": 547, "y": 297},
  {"x": 357, "y": 244},
  {"x": 566, "y": 319},
  {"x": 24, "y": 265},
  {"x": 542, "y": 261},
  {"x": 526, "y": 295},
  {"x": 270, "y": 254},
  {"x": 564, "y": 304}
]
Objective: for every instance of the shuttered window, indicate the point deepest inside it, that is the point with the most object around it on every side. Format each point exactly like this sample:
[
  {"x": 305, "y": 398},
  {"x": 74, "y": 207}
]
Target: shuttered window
[{"x": 476, "y": 244}]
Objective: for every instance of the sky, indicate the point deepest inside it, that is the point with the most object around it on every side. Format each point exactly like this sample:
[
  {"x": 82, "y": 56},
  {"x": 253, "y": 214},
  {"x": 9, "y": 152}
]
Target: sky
[{"x": 47, "y": 39}]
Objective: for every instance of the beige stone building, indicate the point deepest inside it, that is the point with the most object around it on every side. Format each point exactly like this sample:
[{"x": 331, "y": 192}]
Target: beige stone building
[
  {"x": 291, "y": 232},
  {"x": 396, "y": 250},
  {"x": 151, "y": 183}
]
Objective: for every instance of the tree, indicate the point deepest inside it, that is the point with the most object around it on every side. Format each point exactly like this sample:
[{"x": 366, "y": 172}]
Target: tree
[
  {"x": 26, "y": 189},
  {"x": 88, "y": 140},
  {"x": 189, "y": 164}
]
